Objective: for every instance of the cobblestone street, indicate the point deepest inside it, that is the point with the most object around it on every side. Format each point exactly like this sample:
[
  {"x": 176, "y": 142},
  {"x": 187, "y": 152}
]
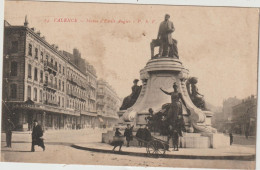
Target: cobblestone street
[{"x": 58, "y": 150}]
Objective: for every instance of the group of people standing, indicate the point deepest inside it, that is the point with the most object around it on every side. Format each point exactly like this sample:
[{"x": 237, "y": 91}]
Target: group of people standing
[
  {"x": 118, "y": 140},
  {"x": 142, "y": 134},
  {"x": 37, "y": 134}
]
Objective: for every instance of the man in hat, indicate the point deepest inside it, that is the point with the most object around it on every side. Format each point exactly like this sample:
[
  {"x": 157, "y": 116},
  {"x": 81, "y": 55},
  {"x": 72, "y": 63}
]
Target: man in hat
[
  {"x": 165, "y": 35},
  {"x": 37, "y": 134},
  {"x": 128, "y": 134},
  {"x": 9, "y": 127}
]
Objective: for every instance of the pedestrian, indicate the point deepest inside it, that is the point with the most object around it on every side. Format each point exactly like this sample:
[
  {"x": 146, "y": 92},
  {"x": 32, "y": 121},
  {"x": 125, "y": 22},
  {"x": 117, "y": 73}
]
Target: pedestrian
[
  {"x": 140, "y": 135},
  {"x": 117, "y": 141},
  {"x": 231, "y": 138},
  {"x": 147, "y": 134},
  {"x": 247, "y": 134},
  {"x": 128, "y": 134},
  {"x": 9, "y": 127},
  {"x": 175, "y": 140},
  {"x": 37, "y": 134}
]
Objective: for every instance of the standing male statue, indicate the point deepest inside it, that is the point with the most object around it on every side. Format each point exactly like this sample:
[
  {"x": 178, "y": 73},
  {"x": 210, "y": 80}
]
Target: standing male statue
[{"x": 168, "y": 46}]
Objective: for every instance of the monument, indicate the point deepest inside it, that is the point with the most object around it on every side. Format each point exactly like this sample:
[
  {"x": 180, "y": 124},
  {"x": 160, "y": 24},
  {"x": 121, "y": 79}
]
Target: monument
[{"x": 163, "y": 73}]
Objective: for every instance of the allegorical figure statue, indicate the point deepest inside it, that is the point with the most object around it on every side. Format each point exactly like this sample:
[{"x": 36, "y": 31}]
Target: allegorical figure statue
[
  {"x": 174, "y": 115},
  {"x": 130, "y": 100},
  {"x": 194, "y": 94},
  {"x": 168, "y": 45}
]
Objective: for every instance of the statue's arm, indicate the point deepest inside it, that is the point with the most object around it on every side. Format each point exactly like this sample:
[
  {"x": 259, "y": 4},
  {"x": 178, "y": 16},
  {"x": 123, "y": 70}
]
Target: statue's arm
[
  {"x": 171, "y": 28},
  {"x": 168, "y": 93}
]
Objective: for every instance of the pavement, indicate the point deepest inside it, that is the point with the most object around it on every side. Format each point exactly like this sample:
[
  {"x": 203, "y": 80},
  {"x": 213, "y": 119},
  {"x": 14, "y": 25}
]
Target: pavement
[
  {"x": 84, "y": 147},
  {"x": 233, "y": 152}
]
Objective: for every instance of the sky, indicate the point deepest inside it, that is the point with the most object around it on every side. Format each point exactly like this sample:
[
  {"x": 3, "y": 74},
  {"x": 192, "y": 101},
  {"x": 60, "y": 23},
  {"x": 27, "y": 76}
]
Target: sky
[{"x": 219, "y": 45}]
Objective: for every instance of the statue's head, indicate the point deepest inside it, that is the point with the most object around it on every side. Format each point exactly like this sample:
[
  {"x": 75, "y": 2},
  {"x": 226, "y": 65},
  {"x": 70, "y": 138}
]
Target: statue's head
[
  {"x": 150, "y": 110},
  {"x": 135, "y": 81},
  {"x": 193, "y": 80},
  {"x": 167, "y": 16},
  {"x": 128, "y": 125},
  {"x": 175, "y": 87}
]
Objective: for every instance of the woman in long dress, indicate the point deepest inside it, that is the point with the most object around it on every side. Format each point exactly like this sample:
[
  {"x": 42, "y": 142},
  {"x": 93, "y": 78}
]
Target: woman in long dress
[{"x": 174, "y": 115}]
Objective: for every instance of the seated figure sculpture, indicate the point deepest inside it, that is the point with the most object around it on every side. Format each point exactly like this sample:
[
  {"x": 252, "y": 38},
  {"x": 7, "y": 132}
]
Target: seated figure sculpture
[
  {"x": 194, "y": 94},
  {"x": 130, "y": 100}
]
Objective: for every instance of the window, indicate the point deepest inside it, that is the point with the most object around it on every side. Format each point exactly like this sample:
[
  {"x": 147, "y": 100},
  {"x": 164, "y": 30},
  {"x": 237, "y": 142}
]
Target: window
[
  {"x": 63, "y": 86},
  {"x": 56, "y": 65},
  {"x": 29, "y": 71},
  {"x": 40, "y": 95},
  {"x": 51, "y": 61},
  {"x": 59, "y": 101},
  {"x": 13, "y": 91},
  {"x": 47, "y": 58},
  {"x": 63, "y": 70},
  {"x": 41, "y": 76},
  {"x": 29, "y": 92},
  {"x": 59, "y": 68},
  {"x": 62, "y": 99},
  {"x": 30, "y": 50},
  {"x": 41, "y": 56},
  {"x": 55, "y": 82},
  {"x": 68, "y": 103},
  {"x": 36, "y": 53},
  {"x": 35, "y": 94},
  {"x": 35, "y": 74},
  {"x": 46, "y": 79},
  {"x": 14, "y": 48},
  {"x": 59, "y": 84},
  {"x": 13, "y": 68}
]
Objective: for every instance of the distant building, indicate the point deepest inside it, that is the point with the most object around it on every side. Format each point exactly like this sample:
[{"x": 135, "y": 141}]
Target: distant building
[
  {"x": 244, "y": 116},
  {"x": 222, "y": 120},
  {"x": 108, "y": 103},
  {"x": 40, "y": 82}
]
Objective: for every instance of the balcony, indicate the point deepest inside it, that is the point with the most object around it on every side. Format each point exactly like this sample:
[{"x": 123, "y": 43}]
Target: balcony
[
  {"x": 101, "y": 102},
  {"x": 51, "y": 103},
  {"x": 100, "y": 93},
  {"x": 49, "y": 86},
  {"x": 48, "y": 65}
]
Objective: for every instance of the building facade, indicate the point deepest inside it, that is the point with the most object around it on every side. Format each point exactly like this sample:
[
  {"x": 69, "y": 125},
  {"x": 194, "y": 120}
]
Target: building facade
[
  {"x": 41, "y": 82},
  {"x": 222, "y": 119},
  {"x": 108, "y": 104},
  {"x": 244, "y": 116}
]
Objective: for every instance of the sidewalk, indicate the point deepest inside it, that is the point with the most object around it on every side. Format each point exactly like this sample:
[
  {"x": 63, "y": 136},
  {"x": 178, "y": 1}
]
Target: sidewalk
[
  {"x": 89, "y": 139},
  {"x": 234, "y": 152}
]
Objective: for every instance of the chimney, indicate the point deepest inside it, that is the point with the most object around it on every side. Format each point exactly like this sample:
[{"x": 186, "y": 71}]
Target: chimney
[
  {"x": 26, "y": 21},
  {"x": 38, "y": 33}
]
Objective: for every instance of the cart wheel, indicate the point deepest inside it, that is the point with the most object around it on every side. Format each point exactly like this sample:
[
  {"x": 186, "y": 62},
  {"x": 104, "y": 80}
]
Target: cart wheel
[{"x": 155, "y": 148}]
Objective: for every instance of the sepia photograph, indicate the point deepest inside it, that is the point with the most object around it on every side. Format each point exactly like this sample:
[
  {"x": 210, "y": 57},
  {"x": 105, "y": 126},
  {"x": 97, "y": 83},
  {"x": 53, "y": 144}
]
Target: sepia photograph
[{"x": 129, "y": 85}]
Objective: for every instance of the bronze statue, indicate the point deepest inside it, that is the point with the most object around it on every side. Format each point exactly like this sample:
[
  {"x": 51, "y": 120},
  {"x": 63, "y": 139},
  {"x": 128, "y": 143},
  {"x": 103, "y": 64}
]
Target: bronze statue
[
  {"x": 168, "y": 46},
  {"x": 174, "y": 115},
  {"x": 194, "y": 94},
  {"x": 130, "y": 100}
]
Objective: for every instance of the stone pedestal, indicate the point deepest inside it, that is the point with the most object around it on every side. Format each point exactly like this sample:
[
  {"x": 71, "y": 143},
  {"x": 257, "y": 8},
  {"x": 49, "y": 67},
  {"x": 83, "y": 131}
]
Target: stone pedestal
[{"x": 162, "y": 73}]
